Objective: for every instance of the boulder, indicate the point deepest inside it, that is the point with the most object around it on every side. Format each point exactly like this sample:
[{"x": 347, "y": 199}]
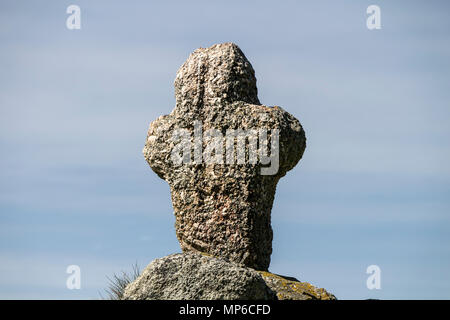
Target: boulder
[{"x": 192, "y": 276}]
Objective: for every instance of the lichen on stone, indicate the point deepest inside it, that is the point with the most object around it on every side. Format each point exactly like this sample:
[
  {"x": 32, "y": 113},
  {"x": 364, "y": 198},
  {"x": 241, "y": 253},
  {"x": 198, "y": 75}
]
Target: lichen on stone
[{"x": 292, "y": 289}]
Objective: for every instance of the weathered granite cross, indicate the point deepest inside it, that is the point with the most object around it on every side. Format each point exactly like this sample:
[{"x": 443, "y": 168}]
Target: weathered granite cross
[{"x": 222, "y": 200}]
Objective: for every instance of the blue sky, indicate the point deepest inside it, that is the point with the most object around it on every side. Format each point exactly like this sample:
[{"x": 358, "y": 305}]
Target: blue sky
[{"x": 373, "y": 186}]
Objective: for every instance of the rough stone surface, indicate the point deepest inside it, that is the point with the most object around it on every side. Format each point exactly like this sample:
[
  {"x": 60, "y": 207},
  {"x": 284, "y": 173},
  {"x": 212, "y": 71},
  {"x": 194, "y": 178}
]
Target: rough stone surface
[
  {"x": 197, "y": 277},
  {"x": 222, "y": 209}
]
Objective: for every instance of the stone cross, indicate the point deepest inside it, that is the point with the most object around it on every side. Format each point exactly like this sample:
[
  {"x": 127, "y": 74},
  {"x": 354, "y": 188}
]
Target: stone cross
[{"x": 222, "y": 153}]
